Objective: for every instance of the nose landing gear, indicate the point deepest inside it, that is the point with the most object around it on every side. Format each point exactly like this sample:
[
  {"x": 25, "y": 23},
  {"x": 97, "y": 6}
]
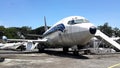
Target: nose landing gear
[{"x": 75, "y": 50}]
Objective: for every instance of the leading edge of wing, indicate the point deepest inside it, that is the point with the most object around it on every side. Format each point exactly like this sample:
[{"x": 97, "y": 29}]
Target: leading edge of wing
[{"x": 27, "y": 40}]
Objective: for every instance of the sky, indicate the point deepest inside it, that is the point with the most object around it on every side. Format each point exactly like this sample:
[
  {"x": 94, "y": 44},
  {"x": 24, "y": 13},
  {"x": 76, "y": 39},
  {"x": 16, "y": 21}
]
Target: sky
[{"x": 18, "y": 13}]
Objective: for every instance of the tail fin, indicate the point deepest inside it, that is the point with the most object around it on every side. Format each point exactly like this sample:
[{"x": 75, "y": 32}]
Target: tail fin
[{"x": 46, "y": 28}]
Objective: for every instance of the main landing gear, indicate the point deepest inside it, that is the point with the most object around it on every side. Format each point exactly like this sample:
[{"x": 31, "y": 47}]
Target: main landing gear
[
  {"x": 74, "y": 49},
  {"x": 65, "y": 49},
  {"x": 41, "y": 48}
]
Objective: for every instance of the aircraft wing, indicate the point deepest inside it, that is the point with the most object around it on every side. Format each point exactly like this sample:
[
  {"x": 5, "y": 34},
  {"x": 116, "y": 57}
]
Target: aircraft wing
[
  {"x": 29, "y": 46},
  {"x": 27, "y": 40}
]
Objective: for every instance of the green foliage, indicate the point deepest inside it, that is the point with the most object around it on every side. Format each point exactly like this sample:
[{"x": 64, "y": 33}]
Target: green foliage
[
  {"x": 106, "y": 29},
  {"x": 11, "y": 32},
  {"x": 2, "y": 29},
  {"x": 16, "y": 32},
  {"x": 38, "y": 31},
  {"x": 116, "y": 31}
]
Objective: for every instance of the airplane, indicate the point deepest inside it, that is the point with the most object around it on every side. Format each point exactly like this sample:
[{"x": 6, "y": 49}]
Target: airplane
[{"x": 73, "y": 31}]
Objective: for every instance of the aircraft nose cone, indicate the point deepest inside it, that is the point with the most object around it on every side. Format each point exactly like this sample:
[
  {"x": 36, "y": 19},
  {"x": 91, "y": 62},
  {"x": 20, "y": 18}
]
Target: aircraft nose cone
[{"x": 92, "y": 30}]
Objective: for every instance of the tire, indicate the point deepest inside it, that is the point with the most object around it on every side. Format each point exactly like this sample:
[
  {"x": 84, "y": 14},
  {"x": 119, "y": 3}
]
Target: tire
[
  {"x": 41, "y": 48},
  {"x": 65, "y": 49}
]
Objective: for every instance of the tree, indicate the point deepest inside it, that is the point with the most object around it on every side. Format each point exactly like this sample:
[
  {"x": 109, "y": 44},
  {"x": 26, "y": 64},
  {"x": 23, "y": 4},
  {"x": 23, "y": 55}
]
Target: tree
[
  {"x": 2, "y": 29},
  {"x": 11, "y": 32},
  {"x": 25, "y": 29},
  {"x": 20, "y": 32},
  {"x": 106, "y": 29},
  {"x": 116, "y": 32},
  {"x": 39, "y": 30}
]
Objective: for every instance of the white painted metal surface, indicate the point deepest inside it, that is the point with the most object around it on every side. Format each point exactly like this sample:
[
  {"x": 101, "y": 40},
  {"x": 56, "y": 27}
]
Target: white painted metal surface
[{"x": 107, "y": 39}]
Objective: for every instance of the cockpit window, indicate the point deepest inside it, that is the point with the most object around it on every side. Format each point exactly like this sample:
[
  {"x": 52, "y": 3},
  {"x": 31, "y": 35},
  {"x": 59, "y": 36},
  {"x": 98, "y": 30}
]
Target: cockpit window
[
  {"x": 71, "y": 22},
  {"x": 78, "y": 21}
]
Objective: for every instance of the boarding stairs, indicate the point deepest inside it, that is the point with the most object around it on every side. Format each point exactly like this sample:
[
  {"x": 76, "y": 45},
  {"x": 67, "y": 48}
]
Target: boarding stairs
[{"x": 107, "y": 40}]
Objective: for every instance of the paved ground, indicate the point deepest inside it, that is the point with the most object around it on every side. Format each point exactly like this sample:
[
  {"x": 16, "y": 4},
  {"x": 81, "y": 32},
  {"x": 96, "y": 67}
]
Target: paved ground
[{"x": 57, "y": 59}]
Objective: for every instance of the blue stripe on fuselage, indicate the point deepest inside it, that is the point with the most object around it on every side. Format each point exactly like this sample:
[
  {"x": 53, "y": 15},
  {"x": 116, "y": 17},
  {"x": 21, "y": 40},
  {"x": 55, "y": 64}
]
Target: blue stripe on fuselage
[{"x": 59, "y": 27}]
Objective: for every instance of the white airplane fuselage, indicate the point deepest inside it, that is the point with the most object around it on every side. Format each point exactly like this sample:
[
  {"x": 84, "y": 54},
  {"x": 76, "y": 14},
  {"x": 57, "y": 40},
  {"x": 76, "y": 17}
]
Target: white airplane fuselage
[{"x": 74, "y": 30}]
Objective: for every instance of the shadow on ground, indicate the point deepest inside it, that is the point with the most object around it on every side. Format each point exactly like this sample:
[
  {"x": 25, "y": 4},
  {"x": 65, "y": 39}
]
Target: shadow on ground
[
  {"x": 2, "y": 59},
  {"x": 49, "y": 52},
  {"x": 62, "y": 54}
]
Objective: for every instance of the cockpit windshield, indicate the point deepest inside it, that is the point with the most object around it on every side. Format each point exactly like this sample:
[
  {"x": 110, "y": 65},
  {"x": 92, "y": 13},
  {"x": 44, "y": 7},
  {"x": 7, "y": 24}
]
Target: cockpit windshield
[{"x": 78, "y": 21}]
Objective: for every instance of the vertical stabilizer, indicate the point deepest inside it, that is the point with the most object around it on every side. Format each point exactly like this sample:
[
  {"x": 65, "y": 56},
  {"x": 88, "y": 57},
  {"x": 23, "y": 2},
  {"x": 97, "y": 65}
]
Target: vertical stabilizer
[{"x": 46, "y": 28}]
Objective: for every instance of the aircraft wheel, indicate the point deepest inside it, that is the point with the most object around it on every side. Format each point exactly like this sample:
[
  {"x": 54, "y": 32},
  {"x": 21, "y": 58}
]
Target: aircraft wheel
[
  {"x": 41, "y": 48},
  {"x": 76, "y": 52},
  {"x": 65, "y": 49},
  {"x": 2, "y": 59},
  {"x": 22, "y": 48},
  {"x": 87, "y": 52}
]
